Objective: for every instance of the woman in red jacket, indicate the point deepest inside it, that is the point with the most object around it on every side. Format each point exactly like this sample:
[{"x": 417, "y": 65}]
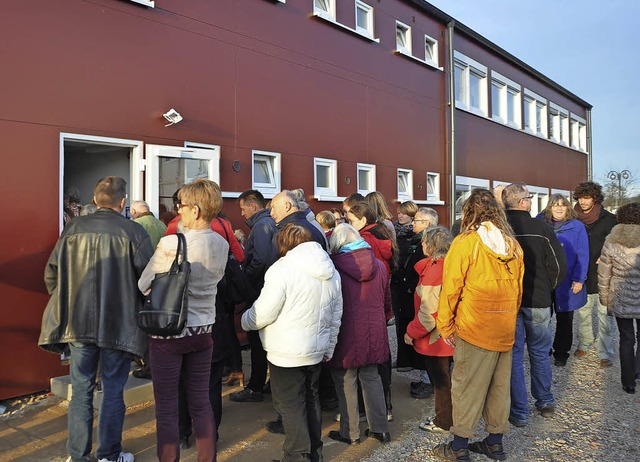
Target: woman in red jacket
[
  {"x": 422, "y": 332},
  {"x": 376, "y": 234}
]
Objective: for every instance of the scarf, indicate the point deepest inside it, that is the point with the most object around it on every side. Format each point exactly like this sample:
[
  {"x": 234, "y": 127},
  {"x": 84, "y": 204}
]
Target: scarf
[
  {"x": 359, "y": 244},
  {"x": 590, "y": 218}
]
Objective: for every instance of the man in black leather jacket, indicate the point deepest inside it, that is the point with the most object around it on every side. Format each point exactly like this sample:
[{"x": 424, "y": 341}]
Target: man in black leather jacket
[{"x": 92, "y": 277}]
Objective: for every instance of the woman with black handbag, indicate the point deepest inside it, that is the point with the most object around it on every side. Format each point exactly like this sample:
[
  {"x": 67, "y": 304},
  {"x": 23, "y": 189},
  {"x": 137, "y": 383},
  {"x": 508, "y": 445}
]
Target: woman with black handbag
[{"x": 190, "y": 350}]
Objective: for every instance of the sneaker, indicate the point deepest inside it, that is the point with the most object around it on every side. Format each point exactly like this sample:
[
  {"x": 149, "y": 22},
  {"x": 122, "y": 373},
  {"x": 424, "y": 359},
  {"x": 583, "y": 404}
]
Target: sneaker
[
  {"x": 547, "y": 410},
  {"x": 518, "y": 422},
  {"x": 580, "y": 353},
  {"x": 605, "y": 363},
  {"x": 123, "y": 457},
  {"x": 495, "y": 451},
  {"x": 247, "y": 396},
  {"x": 444, "y": 451},
  {"x": 429, "y": 426}
]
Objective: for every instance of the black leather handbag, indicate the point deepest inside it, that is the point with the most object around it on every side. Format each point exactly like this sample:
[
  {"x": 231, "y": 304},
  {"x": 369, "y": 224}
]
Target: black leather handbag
[{"x": 166, "y": 308}]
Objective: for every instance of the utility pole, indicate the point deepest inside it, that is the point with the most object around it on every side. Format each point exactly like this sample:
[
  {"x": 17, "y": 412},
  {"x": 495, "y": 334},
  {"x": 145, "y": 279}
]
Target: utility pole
[{"x": 614, "y": 175}]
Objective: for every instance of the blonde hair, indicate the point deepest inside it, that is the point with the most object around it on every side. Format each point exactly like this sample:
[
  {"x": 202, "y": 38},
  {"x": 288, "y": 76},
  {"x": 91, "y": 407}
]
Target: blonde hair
[
  {"x": 205, "y": 194},
  {"x": 327, "y": 219}
]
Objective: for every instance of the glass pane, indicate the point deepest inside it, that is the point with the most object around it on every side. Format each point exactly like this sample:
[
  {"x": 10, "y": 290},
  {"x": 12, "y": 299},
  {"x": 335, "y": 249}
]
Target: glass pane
[
  {"x": 459, "y": 84},
  {"x": 431, "y": 185},
  {"x": 495, "y": 100},
  {"x": 511, "y": 108},
  {"x": 401, "y": 37},
  {"x": 362, "y": 18},
  {"x": 428, "y": 50},
  {"x": 474, "y": 90},
  {"x": 538, "y": 118},
  {"x": 527, "y": 113},
  {"x": 322, "y": 176},
  {"x": 261, "y": 171},
  {"x": 175, "y": 173},
  {"x": 363, "y": 180},
  {"x": 402, "y": 183},
  {"x": 322, "y": 5}
]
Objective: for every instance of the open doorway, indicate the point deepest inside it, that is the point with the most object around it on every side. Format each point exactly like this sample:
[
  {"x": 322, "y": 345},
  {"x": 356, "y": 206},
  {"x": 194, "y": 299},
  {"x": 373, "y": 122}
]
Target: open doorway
[{"x": 86, "y": 159}]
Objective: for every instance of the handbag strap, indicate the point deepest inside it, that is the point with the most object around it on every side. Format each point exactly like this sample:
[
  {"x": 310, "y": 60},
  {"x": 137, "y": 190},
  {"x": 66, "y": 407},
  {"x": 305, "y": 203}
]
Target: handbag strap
[{"x": 180, "y": 252}]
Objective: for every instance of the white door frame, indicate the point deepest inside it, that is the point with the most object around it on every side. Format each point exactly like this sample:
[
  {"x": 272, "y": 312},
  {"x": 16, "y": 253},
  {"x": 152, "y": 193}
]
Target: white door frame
[{"x": 136, "y": 166}]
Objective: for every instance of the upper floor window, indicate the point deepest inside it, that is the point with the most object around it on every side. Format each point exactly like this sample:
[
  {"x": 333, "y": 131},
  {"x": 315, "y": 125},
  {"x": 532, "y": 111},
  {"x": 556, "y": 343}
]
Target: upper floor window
[
  {"x": 325, "y": 8},
  {"x": 325, "y": 177},
  {"x": 470, "y": 79},
  {"x": 405, "y": 184},
  {"x": 535, "y": 113},
  {"x": 366, "y": 178},
  {"x": 431, "y": 50},
  {"x": 578, "y": 133},
  {"x": 266, "y": 172},
  {"x": 364, "y": 18},
  {"x": 505, "y": 100},
  {"x": 403, "y": 38},
  {"x": 558, "y": 124},
  {"x": 149, "y": 3},
  {"x": 433, "y": 186}
]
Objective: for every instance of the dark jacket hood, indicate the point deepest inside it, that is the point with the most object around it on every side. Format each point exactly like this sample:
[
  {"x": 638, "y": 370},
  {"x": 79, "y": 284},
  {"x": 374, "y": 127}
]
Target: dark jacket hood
[{"x": 358, "y": 264}]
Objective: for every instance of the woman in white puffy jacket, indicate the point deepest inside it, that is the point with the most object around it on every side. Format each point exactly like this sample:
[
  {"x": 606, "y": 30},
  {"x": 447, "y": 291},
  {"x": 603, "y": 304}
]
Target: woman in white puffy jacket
[{"x": 298, "y": 315}]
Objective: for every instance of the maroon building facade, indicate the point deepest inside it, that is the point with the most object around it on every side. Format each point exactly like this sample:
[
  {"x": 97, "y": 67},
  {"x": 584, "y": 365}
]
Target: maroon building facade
[{"x": 334, "y": 96}]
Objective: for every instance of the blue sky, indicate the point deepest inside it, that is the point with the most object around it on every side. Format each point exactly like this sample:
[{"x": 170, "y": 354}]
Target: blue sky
[{"x": 588, "y": 47}]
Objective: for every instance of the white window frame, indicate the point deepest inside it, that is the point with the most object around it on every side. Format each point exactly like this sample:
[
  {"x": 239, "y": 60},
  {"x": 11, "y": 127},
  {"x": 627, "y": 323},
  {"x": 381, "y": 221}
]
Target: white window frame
[
  {"x": 431, "y": 43},
  {"x": 505, "y": 87},
  {"x": 536, "y": 100},
  {"x": 435, "y": 197},
  {"x": 406, "y": 49},
  {"x": 274, "y": 168},
  {"x": 469, "y": 66},
  {"x": 405, "y": 195},
  {"x": 466, "y": 184},
  {"x": 579, "y": 140},
  {"x": 367, "y": 31},
  {"x": 149, "y": 3},
  {"x": 561, "y": 118},
  {"x": 332, "y": 189},
  {"x": 565, "y": 192},
  {"x": 371, "y": 171},
  {"x": 537, "y": 192},
  {"x": 329, "y": 13}
]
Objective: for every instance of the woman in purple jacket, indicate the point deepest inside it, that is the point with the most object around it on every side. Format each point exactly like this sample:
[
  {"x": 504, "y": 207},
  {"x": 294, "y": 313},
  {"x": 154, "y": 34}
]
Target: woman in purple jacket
[
  {"x": 571, "y": 293},
  {"x": 362, "y": 342}
]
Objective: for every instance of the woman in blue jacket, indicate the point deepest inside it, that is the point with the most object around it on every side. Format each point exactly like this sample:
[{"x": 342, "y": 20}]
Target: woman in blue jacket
[{"x": 571, "y": 293}]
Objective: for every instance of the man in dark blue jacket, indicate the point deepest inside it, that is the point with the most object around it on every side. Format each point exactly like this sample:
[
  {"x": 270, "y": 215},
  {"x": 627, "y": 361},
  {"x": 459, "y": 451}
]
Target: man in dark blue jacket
[
  {"x": 257, "y": 261},
  {"x": 545, "y": 266}
]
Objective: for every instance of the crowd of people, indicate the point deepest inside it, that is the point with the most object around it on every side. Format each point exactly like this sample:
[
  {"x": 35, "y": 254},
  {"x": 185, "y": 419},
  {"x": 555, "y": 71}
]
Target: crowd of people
[{"x": 316, "y": 294}]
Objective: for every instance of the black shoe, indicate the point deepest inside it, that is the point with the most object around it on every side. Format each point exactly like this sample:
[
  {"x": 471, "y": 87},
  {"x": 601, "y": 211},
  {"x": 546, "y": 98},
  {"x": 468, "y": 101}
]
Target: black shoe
[
  {"x": 275, "y": 426},
  {"x": 247, "y": 396},
  {"x": 142, "y": 374},
  {"x": 184, "y": 443},
  {"x": 630, "y": 390},
  {"x": 336, "y": 436},
  {"x": 383, "y": 437},
  {"x": 267, "y": 388},
  {"x": 561, "y": 362},
  {"x": 495, "y": 451},
  {"x": 422, "y": 391}
]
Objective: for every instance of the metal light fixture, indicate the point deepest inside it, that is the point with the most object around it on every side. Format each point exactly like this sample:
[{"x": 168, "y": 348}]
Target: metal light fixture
[{"x": 172, "y": 116}]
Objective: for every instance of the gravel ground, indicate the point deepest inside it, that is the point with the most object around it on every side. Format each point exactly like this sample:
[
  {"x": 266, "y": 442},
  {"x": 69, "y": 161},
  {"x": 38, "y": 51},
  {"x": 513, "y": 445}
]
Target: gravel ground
[{"x": 595, "y": 420}]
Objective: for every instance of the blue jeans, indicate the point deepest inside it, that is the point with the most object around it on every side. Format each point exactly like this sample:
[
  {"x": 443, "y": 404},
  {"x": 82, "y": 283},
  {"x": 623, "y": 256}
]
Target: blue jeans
[
  {"x": 114, "y": 372},
  {"x": 532, "y": 329},
  {"x": 606, "y": 328}
]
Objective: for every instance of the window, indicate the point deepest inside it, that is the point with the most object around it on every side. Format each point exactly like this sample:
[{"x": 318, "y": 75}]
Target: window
[
  {"x": 470, "y": 84},
  {"x": 431, "y": 50},
  {"x": 505, "y": 100},
  {"x": 403, "y": 38},
  {"x": 149, "y": 3},
  {"x": 366, "y": 178},
  {"x": 464, "y": 186},
  {"x": 433, "y": 186},
  {"x": 535, "y": 114},
  {"x": 405, "y": 184},
  {"x": 325, "y": 177},
  {"x": 325, "y": 8},
  {"x": 364, "y": 18},
  {"x": 558, "y": 124},
  {"x": 266, "y": 172},
  {"x": 578, "y": 133}
]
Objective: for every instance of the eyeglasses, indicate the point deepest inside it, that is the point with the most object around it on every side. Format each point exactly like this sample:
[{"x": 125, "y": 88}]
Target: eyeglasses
[
  {"x": 525, "y": 198},
  {"x": 418, "y": 221},
  {"x": 558, "y": 206},
  {"x": 179, "y": 206}
]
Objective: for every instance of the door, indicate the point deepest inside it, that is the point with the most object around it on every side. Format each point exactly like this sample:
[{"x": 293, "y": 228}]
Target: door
[{"x": 171, "y": 167}]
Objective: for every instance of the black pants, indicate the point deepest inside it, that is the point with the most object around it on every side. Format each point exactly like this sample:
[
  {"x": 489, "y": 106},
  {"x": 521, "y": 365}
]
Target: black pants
[
  {"x": 296, "y": 398},
  {"x": 564, "y": 335},
  {"x": 235, "y": 350},
  {"x": 629, "y": 356},
  {"x": 259, "y": 365},
  {"x": 404, "y": 311},
  {"x": 385, "y": 376}
]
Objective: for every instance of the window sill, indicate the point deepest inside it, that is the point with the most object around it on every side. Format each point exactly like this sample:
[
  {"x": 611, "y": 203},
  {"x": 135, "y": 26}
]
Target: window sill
[
  {"x": 230, "y": 194},
  {"x": 471, "y": 110},
  {"x": 335, "y": 23},
  {"x": 429, "y": 63},
  {"x": 429, "y": 202},
  {"x": 320, "y": 197},
  {"x": 149, "y": 3}
]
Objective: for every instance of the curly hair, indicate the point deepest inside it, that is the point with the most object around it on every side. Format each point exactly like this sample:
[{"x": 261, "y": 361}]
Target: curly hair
[
  {"x": 589, "y": 189},
  {"x": 629, "y": 214},
  {"x": 483, "y": 206}
]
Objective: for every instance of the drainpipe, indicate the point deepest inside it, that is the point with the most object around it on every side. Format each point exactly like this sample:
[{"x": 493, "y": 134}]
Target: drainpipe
[
  {"x": 452, "y": 128},
  {"x": 589, "y": 148}
]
